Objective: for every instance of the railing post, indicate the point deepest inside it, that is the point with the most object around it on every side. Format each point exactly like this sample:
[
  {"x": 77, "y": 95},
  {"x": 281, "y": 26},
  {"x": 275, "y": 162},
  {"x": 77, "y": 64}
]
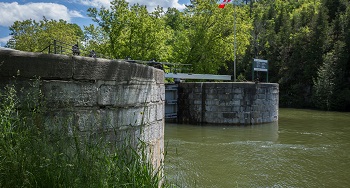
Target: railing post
[{"x": 54, "y": 46}]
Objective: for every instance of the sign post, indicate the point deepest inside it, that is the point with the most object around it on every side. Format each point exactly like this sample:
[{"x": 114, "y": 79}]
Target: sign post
[{"x": 260, "y": 65}]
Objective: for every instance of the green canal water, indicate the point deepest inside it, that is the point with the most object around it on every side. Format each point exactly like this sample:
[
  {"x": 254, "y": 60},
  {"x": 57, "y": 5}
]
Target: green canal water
[{"x": 305, "y": 148}]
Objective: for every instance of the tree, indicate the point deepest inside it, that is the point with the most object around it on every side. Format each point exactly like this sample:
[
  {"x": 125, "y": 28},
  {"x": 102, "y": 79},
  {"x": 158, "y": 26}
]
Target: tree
[
  {"x": 133, "y": 31},
  {"x": 291, "y": 35},
  {"x": 97, "y": 40},
  {"x": 324, "y": 84},
  {"x": 33, "y": 36},
  {"x": 210, "y": 35},
  {"x": 178, "y": 42}
]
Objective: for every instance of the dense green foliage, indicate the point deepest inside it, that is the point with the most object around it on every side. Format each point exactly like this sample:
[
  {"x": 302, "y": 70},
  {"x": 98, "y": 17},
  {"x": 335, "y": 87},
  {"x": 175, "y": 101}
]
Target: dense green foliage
[
  {"x": 33, "y": 36},
  {"x": 201, "y": 35},
  {"x": 307, "y": 45},
  {"x": 306, "y": 42},
  {"x": 58, "y": 155}
]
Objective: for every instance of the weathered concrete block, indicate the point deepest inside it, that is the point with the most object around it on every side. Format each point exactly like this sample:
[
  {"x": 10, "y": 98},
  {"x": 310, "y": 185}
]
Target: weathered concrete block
[
  {"x": 238, "y": 96},
  {"x": 252, "y": 103},
  {"x": 120, "y": 117},
  {"x": 127, "y": 95},
  {"x": 212, "y": 92},
  {"x": 230, "y": 115},
  {"x": 161, "y": 91},
  {"x": 121, "y": 100},
  {"x": 158, "y": 76},
  {"x": 236, "y": 108},
  {"x": 196, "y": 96},
  {"x": 34, "y": 65},
  {"x": 116, "y": 70},
  {"x": 196, "y": 108},
  {"x": 208, "y": 96},
  {"x": 261, "y": 96},
  {"x": 191, "y": 85},
  {"x": 236, "y": 102},
  {"x": 237, "y": 90},
  {"x": 197, "y": 102},
  {"x": 160, "y": 111},
  {"x": 262, "y": 90},
  {"x": 69, "y": 94}
]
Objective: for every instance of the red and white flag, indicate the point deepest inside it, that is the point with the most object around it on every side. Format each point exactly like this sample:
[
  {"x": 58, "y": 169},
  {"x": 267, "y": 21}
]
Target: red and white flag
[{"x": 222, "y": 5}]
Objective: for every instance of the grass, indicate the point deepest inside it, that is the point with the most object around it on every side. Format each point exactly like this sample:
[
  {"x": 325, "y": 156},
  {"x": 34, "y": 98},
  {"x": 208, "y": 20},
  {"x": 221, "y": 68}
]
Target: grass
[{"x": 34, "y": 156}]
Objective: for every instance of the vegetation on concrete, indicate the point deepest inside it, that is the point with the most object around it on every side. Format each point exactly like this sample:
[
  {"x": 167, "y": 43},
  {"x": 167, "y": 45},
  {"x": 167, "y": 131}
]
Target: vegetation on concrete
[
  {"x": 306, "y": 42},
  {"x": 33, "y": 154}
]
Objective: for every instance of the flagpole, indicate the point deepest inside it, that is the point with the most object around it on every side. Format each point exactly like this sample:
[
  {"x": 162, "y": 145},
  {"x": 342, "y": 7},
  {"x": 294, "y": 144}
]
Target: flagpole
[
  {"x": 235, "y": 41},
  {"x": 222, "y": 5}
]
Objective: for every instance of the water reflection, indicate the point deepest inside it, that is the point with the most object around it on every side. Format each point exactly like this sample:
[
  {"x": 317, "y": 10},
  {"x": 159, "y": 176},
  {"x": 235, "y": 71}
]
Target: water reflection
[
  {"x": 214, "y": 134},
  {"x": 306, "y": 149}
]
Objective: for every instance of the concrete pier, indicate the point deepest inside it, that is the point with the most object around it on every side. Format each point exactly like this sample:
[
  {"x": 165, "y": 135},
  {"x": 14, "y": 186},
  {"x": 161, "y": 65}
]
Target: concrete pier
[
  {"x": 124, "y": 100},
  {"x": 243, "y": 103}
]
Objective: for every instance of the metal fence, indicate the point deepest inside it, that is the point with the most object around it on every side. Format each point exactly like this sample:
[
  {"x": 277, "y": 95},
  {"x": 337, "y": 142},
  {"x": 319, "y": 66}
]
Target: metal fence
[
  {"x": 167, "y": 67},
  {"x": 59, "y": 47}
]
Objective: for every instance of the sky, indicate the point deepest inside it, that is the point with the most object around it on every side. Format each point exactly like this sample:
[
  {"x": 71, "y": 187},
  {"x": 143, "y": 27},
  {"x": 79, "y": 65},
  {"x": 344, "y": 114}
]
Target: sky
[{"x": 73, "y": 11}]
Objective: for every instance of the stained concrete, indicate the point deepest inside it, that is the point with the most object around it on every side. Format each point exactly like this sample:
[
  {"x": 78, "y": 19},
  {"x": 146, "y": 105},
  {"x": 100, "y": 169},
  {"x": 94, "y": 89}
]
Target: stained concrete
[
  {"x": 243, "y": 103},
  {"x": 100, "y": 95}
]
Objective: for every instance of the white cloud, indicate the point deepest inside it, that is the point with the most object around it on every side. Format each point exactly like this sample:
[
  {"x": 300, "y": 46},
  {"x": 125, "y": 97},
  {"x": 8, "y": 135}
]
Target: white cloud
[
  {"x": 96, "y": 3},
  {"x": 11, "y": 12},
  {"x": 4, "y": 40},
  {"x": 76, "y": 14},
  {"x": 151, "y": 4}
]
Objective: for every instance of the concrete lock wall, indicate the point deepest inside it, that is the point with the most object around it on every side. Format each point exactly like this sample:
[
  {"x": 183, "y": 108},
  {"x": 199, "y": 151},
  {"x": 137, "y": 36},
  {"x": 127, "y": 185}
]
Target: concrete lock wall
[
  {"x": 228, "y": 103},
  {"x": 124, "y": 99}
]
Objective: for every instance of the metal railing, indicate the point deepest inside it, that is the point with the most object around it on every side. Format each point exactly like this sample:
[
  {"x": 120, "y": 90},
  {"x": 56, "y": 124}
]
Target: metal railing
[
  {"x": 59, "y": 47},
  {"x": 167, "y": 67}
]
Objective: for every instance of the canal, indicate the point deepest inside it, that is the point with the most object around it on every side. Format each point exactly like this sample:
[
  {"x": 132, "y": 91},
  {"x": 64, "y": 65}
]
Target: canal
[{"x": 305, "y": 148}]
